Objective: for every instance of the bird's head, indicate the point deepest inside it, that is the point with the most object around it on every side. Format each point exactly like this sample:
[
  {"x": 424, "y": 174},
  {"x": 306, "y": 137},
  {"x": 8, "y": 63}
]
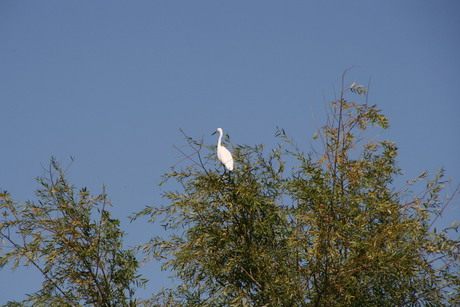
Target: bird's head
[{"x": 218, "y": 130}]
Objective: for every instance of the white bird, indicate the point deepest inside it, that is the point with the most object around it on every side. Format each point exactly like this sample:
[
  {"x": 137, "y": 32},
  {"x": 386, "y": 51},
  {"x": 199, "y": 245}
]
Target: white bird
[{"x": 223, "y": 154}]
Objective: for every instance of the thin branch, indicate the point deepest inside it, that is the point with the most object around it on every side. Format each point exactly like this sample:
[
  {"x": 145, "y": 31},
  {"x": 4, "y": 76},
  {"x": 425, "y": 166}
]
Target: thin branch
[
  {"x": 197, "y": 150},
  {"x": 456, "y": 191},
  {"x": 98, "y": 253},
  {"x": 24, "y": 254}
]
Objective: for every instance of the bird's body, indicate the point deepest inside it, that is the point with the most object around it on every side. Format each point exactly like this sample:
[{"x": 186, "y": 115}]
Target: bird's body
[{"x": 223, "y": 154}]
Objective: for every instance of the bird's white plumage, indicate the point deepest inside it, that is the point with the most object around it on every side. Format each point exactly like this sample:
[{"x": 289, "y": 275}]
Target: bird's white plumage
[{"x": 223, "y": 154}]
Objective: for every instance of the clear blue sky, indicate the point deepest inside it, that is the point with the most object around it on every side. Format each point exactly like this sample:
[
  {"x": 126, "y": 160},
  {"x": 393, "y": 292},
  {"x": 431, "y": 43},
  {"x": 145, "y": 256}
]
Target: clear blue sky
[{"x": 111, "y": 82}]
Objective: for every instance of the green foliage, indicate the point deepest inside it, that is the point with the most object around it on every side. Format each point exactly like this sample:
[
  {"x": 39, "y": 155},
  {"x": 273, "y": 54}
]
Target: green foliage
[
  {"x": 332, "y": 231},
  {"x": 82, "y": 260},
  {"x": 234, "y": 248}
]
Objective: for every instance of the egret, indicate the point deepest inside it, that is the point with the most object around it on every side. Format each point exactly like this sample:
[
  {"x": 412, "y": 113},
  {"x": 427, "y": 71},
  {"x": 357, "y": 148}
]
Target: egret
[{"x": 223, "y": 154}]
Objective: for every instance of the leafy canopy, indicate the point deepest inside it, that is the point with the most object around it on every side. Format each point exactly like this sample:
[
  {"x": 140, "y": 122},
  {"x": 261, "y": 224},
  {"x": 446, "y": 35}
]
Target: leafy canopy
[
  {"x": 332, "y": 230},
  {"x": 81, "y": 260},
  {"x": 285, "y": 228}
]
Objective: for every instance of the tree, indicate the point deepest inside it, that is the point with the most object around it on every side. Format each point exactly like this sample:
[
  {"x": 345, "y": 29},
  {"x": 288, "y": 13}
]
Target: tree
[
  {"x": 81, "y": 260},
  {"x": 331, "y": 231}
]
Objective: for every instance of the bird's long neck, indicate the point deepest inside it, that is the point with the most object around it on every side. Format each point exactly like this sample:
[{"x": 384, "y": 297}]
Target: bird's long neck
[{"x": 219, "y": 140}]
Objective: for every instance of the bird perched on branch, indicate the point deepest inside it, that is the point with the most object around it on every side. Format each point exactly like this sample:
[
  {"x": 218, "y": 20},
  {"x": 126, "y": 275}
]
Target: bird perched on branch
[{"x": 223, "y": 154}]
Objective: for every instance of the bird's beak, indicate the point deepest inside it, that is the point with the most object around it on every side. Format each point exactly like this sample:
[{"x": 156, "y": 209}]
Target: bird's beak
[{"x": 214, "y": 132}]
